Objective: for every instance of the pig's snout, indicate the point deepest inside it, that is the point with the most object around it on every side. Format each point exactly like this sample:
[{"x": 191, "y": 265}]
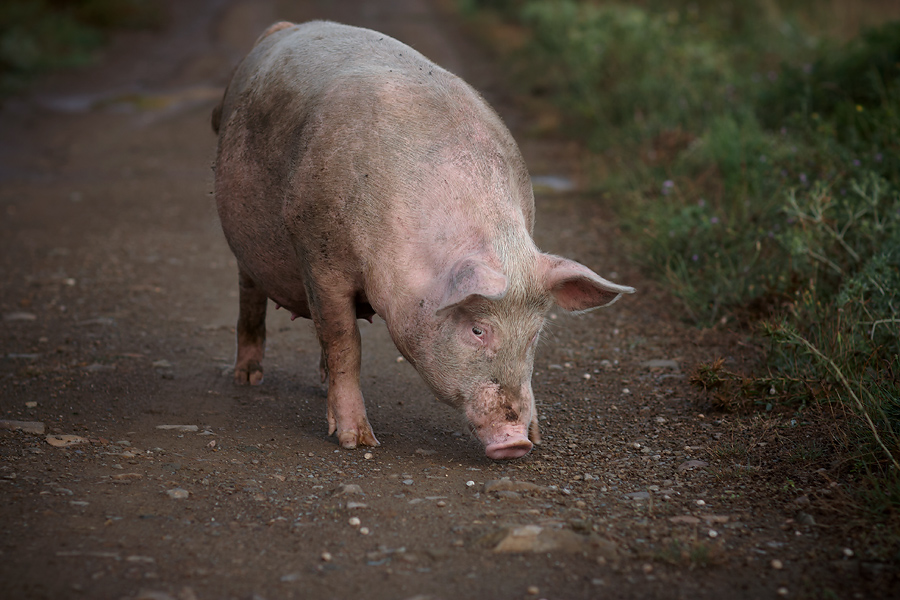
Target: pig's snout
[{"x": 511, "y": 448}]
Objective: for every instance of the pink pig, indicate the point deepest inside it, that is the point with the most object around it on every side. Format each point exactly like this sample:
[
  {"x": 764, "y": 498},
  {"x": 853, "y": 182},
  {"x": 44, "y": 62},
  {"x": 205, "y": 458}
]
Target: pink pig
[{"x": 355, "y": 178}]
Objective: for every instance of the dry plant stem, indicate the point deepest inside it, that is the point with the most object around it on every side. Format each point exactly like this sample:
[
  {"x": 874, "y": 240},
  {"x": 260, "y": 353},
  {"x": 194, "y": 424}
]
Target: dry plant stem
[{"x": 856, "y": 399}]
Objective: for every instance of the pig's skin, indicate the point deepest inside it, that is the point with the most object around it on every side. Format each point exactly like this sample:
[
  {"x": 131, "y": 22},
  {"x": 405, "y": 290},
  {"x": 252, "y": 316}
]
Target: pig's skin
[{"x": 354, "y": 177}]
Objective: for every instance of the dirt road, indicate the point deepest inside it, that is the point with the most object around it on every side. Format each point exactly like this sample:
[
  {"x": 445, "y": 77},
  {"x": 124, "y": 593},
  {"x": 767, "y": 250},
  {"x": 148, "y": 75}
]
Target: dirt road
[{"x": 119, "y": 298}]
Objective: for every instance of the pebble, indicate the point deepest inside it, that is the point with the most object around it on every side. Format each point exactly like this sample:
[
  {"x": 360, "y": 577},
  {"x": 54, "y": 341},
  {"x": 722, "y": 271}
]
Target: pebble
[
  {"x": 187, "y": 428},
  {"x": 690, "y": 465},
  {"x": 64, "y": 441},
  {"x": 408, "y": 482},
  {"x": 539, "y": 539},
  {"x": 777, "y": 564},
  {"x": 470, "y": 483},
  {"x": 533, "y": 590},
  {"x": 345, "y": 489},
  {"x": 19, "y": 316},
  {"x": 354, "y": 521},
  {"x": 36, "y": 427},
  {"x": 178, "y": 493},
  {"x": 684, "y": 519},
  {"x": 326, "y": 557},
  {"x": 713, "y": 533},
  {"x": 701, "y": 502},
  {"x": 368, "y": 455},
  {"x": 783, "y": 591},
  {"x": 848, "y": 552},
  {"x": 660, "y": 364},
  {"x": 364, "y": 530}
]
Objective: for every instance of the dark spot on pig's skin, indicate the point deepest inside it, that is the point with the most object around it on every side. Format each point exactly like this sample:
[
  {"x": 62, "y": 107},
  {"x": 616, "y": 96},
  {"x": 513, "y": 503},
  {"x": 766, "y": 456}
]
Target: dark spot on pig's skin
[{"x": 509, "y": 413}]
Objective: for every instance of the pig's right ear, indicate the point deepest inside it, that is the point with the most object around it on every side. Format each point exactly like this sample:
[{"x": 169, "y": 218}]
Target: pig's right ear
[
  {"x": 470, "y": 279},
  {"x": 576, "y": 288}
]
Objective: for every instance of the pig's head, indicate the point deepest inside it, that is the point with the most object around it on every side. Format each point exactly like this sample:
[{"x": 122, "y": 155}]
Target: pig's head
[{"x": 476, "y": 333}]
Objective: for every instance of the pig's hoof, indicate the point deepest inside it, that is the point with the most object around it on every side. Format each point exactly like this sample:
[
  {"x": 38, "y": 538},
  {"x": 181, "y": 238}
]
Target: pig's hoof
[
  {"x": 250, "y": 375},
  {"x": 352, "y": 439},
  {"x": 509, "y": 449}
]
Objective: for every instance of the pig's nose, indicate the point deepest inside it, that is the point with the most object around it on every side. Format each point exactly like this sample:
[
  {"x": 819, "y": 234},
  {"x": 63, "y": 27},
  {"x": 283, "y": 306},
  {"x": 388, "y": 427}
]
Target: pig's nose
[{"x": 514, "y": 448}]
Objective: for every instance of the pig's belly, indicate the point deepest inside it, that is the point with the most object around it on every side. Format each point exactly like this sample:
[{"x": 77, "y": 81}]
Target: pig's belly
[{"x": 275, "y": 268}]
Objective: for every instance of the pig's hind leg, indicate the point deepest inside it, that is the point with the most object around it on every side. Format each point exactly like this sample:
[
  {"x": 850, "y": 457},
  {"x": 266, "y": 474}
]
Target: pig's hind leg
[
  {"x": 251, "y": 332},
  {"x": 334, "y": 315}
]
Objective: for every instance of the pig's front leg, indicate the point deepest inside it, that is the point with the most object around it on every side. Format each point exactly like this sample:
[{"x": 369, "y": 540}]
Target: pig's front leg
[
  {"x": 251, "y": 332},
  {"x": 335, "y": 321}
]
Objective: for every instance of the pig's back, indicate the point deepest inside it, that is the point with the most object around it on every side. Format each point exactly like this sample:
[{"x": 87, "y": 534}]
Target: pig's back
[{"x": 345, "y": 134}]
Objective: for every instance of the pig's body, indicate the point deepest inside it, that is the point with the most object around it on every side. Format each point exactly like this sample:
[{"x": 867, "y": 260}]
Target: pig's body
[{"x": 355, "y": 177}]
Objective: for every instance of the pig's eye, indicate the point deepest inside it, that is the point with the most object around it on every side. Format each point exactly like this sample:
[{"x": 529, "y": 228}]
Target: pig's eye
[{"x": 478, "y": 331}]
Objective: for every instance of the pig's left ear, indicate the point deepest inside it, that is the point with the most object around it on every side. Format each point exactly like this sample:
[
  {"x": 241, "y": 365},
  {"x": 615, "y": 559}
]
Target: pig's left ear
[
  {"x": 577, "y": 288},
  {"x": 469, "y": 279}
]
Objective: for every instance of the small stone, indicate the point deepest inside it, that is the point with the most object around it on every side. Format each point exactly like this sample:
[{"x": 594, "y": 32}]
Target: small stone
[
  {"x": 662, "y": 364},
  {"x": 470, "y": 483},
  {"x": 848, "y": 552},
  {"x": 19, "y": 316},
  {"x": 64, "y": 441},
  {"x": 35, "y": 427},
  {"x": 364, "y": 530},
  {"x": 326, "y": 557},
  {"x": 805, "y": 519},
  {"x": 638, "y": 495},
  {"x": 408, "y": 482},
  {"x": 357, "y": 505},
  {"x": 400, "y": 359},
  {"x": 690, "y": 465},
  {"x": 684, "y": 520},
  {"x": 441, "y": 503},
  {"x": 586, "y": 376},
  {"x": 368, "y": 455},
  {"x": 354, "y": 521},
  {"x": 346, "y": 489},
  {"x": 178, "y": 493},
  {"x": 713, "y": 533},
  {"x": 626, "y": 391},
  {"x": 783, "y": 591},
  {"x": 647, "y": 568},
  {"x": 777, "y": 564},
  {"x": 162, "y": 364},
  {"x": 533, "y": 590},
  {"x": 188, "y": 428},
  {"x": 31, "y": 404},
  {"x": 701, "y": 502}
]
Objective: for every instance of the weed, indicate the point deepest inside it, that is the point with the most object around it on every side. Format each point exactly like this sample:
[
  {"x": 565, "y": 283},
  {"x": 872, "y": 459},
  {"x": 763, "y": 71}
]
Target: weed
[
  {"x": 757, "y": 168},
  {"x": 40, "y": 35}
]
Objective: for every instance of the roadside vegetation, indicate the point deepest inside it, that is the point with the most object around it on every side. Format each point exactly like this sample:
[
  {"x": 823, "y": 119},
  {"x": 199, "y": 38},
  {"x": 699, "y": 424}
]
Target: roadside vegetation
[
  {"x": 40, "y": 35},
  {"x": 753, "y": 153}
]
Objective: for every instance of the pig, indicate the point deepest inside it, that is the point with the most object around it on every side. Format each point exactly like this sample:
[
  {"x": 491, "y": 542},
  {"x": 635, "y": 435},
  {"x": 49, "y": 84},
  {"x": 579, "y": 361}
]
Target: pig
[{"x": 354, "y": 178}]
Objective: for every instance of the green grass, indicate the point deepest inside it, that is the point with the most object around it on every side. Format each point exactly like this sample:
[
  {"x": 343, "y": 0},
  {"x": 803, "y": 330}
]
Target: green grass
[
  {"x": 755, "y": 162},
  {"x": 41, "y": 35}
]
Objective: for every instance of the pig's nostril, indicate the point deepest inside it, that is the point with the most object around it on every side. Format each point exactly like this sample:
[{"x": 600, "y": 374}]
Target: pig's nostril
[{"x": 507, "y": 450}]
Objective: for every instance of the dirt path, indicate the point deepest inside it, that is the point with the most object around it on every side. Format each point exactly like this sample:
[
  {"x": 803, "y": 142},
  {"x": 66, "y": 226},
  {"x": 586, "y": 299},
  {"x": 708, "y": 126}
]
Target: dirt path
[{"x": 118, "y": 303}]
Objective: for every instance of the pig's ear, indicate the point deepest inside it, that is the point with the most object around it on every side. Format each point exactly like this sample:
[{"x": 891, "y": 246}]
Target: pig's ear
[
  {"x": 577, "y": 288},
  {"x": 469, "y": 279}
]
